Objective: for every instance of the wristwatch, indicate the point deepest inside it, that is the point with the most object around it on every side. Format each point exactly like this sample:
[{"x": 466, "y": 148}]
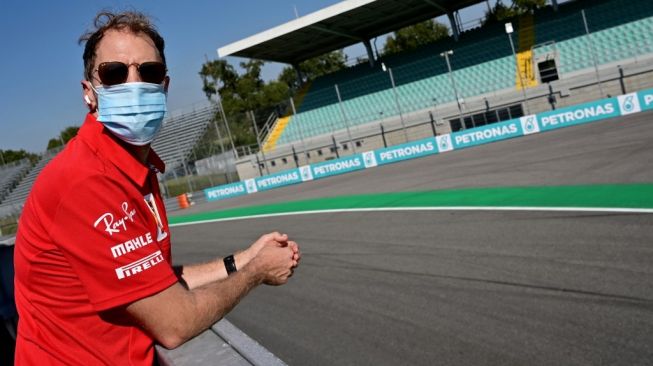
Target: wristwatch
[{"x": 230, "y": 264}]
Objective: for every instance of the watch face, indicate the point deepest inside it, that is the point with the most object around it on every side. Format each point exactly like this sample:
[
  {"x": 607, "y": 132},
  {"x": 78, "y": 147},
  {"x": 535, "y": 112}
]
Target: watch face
[{"x": 230, "y": 264}]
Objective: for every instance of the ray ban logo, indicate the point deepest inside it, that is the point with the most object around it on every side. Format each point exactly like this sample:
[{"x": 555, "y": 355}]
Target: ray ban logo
[{"x": 112, "y": 225}]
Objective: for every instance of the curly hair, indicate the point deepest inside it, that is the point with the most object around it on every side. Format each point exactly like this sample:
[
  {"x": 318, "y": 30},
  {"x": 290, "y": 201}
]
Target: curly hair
[{"x": 136, "y": 22}]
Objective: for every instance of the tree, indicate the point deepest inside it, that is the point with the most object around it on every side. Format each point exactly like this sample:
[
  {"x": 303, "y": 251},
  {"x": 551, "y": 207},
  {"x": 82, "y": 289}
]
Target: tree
[
  {"x": 215, "y": 72},
  {"x": 10, "y": 156},
  {"x": 66, "y": 135},
  {"x": 501, "y": 12},
  {"x": 314, "y": 68},
  {"x": 414, "y": 36},
  {"x": 523, "y": 6},
  {"x": 241, "y": 93}
]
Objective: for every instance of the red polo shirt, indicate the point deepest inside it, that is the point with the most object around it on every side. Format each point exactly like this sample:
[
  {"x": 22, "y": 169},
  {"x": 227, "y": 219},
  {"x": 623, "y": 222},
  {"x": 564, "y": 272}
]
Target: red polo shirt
[{"x": 93, "y": 237}]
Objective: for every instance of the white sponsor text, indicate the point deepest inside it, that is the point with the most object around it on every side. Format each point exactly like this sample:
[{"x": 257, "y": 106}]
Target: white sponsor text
[
  {"x": 131, "y": 245},
  {"x": 578, "y": 114},
  {"x": 140, "y": 265},
  {"x": 111, "y": 225},
  {"x": 407, "y": 151}
]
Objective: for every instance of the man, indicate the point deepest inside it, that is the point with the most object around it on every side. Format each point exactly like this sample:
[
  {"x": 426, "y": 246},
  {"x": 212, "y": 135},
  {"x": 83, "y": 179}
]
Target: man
[{"x": 94, "y": 282}]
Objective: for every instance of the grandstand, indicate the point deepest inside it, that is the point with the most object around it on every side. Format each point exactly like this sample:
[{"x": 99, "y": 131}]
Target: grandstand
[
  {"x": 16, "y": 198},
  {"x": 621, "y": 29},
  {"x": 554, "y": 57},
  {"x": 10, "y": 175},
  {"x": 180, "y": 133}
]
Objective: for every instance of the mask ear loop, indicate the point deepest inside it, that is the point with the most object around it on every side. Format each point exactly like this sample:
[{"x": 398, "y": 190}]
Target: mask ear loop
[{"x": 87, "y": 99}]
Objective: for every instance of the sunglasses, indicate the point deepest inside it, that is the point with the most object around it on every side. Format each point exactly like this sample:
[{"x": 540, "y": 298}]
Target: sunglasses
[{"x": 116, "y": 72}]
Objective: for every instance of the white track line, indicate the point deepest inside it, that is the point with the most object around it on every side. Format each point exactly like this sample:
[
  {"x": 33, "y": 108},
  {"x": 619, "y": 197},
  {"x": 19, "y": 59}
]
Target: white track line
[{"x": 442, "y": 208}]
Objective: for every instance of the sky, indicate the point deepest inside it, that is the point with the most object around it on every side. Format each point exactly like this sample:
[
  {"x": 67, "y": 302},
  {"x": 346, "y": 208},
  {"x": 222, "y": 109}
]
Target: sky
[{"x": 41, "y": 63}]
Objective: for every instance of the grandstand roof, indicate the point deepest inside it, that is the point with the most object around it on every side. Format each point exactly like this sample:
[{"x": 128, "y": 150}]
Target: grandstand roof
[{"x": 337, "y": 26}]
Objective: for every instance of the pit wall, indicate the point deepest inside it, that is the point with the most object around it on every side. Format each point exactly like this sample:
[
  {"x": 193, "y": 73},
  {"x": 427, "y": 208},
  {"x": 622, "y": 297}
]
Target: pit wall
[{"x": 532, "y": 124}]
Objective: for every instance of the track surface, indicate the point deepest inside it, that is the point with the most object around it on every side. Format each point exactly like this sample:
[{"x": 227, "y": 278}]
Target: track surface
[
  {"x": 460, "y": 288},
  {"x": 611, "y": 151}
]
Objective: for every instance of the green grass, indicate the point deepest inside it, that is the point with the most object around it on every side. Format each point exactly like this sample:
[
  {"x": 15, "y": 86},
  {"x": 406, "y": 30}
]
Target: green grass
[{"x": 635, "y": 196}]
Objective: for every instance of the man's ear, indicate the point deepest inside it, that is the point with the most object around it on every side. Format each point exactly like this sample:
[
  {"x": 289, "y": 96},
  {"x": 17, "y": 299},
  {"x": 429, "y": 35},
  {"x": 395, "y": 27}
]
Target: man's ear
[
  {"x": 166, "y": 84},
  {"x": 89, "y": 96}
]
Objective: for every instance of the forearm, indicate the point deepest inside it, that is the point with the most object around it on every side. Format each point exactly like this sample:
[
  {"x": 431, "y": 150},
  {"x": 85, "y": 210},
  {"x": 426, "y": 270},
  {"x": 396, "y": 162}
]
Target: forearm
[
  {"x": 205, "y": 293},
  {"x": 214, "y": 300},
  {"x": 189, "y": 312},
  {"x": 196, "y": 275}
]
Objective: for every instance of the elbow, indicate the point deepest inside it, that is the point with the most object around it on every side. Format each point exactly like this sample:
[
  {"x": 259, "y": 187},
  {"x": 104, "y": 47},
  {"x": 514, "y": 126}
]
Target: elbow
[
  {"x": 171, "y": 341},
  {"x": 175, "y": 337},
  {"x": 172, "y": 336}
]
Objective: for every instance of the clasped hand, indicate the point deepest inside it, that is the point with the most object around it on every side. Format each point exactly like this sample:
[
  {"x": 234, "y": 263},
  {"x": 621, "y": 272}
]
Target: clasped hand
[{"x": 274, "y": 258}]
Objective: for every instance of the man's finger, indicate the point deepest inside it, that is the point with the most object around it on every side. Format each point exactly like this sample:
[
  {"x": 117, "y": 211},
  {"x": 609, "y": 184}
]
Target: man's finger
[
  {"x": 293, "y": 245},
  {"x": 276, "y": 236}
]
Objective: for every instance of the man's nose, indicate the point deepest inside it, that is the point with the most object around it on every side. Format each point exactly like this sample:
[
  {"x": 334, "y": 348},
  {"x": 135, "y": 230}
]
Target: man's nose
[{"x": 132, "y": 74}]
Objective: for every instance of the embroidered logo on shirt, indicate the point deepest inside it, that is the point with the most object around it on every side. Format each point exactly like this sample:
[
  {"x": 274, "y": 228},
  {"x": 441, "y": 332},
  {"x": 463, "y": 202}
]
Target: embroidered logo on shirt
[
  {"x": 131, "y": 245},
  {"x": 154, "y": 210},
  {"x": 140, "y": 265},
  {"x": 112, "y": 225}
]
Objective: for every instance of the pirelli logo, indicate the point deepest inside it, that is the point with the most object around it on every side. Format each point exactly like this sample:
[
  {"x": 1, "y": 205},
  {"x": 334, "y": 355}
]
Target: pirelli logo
[{"x": 140, "y": 265}]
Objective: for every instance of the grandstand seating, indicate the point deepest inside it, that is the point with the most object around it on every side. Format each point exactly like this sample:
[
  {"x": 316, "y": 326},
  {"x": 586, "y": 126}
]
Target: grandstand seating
[
  {"x": 174, "y": 145},
  {"x": 620, "y": 29},
  {"x": 16, "y": 198},
  {"x": 10, "y": 175},
  {"x": 180, "y": 134}
]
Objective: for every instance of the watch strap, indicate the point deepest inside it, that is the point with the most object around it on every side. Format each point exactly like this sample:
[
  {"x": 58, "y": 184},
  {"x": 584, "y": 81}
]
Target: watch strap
[{"x": 230, "y": 264}]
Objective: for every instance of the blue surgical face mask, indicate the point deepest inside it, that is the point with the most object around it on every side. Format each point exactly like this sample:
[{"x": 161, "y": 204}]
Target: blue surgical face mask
[{"x": 133, "y": 112}]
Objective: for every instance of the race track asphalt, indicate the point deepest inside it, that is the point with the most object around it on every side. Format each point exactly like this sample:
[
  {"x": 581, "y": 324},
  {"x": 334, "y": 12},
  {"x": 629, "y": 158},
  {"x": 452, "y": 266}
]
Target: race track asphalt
[
  {"x": 611, "y": 151},
  {"x": 459, "y": 287}
]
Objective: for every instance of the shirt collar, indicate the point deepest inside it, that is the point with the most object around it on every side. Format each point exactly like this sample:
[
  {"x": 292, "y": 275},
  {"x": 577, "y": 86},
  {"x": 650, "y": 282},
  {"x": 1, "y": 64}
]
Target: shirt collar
[{"x": 106, "y": 144}]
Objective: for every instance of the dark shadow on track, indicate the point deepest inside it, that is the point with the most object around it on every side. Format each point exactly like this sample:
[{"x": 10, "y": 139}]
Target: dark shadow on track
[{"x": 450, "y": 288}]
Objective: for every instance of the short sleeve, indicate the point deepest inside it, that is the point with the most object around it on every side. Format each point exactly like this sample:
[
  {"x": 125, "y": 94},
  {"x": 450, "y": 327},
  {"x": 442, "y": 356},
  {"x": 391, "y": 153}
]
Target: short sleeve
[{"x": 108, "y": 235}]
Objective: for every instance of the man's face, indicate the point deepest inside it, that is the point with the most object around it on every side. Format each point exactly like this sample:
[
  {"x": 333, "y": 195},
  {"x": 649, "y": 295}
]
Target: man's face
[
  {"x": 123, "y": 46},
  {"x": 126, "y": 47}
]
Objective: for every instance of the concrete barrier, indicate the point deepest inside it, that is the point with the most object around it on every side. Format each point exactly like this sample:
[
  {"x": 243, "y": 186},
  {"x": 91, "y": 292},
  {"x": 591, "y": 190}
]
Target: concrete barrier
[{"x": 222, "y": 344}]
